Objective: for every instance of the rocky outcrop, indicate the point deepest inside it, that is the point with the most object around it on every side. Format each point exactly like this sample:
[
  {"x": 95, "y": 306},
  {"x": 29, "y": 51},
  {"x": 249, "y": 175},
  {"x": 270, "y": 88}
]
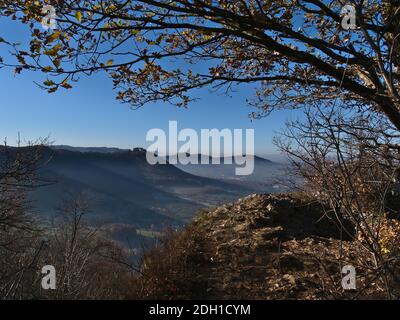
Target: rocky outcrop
[
  {"x": 274, "y": 247},
  {"x": 262, "y": 247}
]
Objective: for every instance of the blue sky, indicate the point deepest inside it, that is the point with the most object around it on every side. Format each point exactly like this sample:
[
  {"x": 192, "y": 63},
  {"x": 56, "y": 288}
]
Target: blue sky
[{"x": 89, "y": 115}]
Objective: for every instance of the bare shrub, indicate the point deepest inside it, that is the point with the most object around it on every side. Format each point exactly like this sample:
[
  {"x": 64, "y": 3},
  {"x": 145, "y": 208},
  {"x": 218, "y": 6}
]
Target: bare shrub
[
  {"x": 20, "y": 244},
  {"x": 170, "y": 270},
  {"x": 88, "y": 265},
  {"x": 350, "y": 163}
]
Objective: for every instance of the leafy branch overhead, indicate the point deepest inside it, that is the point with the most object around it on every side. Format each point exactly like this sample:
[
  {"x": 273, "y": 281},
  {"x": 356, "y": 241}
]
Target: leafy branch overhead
[{"x": 294, "y": 51}]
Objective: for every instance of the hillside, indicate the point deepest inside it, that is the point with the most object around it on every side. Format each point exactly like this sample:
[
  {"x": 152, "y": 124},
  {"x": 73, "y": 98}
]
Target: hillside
[
  {"x": 267, "y": 176},
  {"x": 260, "y": 247},
  {"x": 121, "y": 187}
]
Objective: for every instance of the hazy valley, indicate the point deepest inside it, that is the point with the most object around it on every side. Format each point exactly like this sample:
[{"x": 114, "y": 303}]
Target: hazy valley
[{"x": 125, "y": 193}]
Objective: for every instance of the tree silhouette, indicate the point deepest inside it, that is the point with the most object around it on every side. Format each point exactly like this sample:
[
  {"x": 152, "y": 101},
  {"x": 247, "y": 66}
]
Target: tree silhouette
[{"x": 295, "y": 50}]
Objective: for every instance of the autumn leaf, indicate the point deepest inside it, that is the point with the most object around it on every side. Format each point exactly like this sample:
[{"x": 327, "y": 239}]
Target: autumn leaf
[
  {"x": 21, "y": 59},
  {"x": 47, "y": 69},
  {"x": 78, "y": 16},
  {"x": 53, "y": 51},
  {"x": 56, "y": 63},
  {"x": 66, "y": 85},
  {"x": 49, "y": 83},
  {"x": 54, "y": 36},
  {"x": 135, "y": 32}
]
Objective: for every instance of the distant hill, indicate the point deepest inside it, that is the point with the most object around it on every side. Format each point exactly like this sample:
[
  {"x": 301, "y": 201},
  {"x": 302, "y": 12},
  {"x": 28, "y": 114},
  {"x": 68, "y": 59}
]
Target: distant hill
[
  {"x": 266, "y": 177},
  {"x": 88, "y": 149},
  {"x": 121, "y": 187}
]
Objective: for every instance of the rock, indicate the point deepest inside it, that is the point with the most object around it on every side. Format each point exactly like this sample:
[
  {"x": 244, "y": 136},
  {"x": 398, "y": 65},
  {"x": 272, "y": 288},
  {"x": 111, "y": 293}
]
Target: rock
[
  {"x": 269, "y": 207},
  {"x": 271, "y": 233},
  {"x": 259, "y": 222},
  {"x": 288, "y": 262},
  {"x": 289, "y": 278}
]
